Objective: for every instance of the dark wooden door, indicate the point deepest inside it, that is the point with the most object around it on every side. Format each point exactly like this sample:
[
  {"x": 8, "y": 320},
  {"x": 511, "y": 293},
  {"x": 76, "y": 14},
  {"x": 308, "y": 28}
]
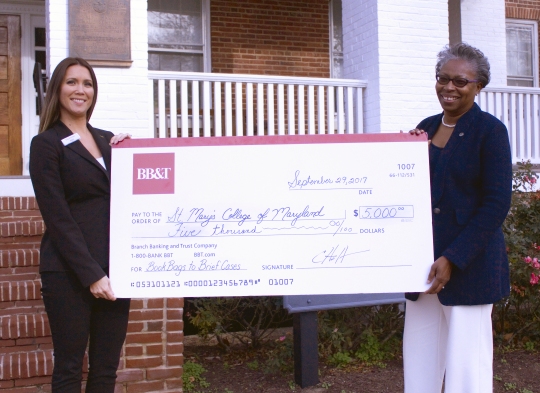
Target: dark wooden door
[{"x": 10, "y": 96}]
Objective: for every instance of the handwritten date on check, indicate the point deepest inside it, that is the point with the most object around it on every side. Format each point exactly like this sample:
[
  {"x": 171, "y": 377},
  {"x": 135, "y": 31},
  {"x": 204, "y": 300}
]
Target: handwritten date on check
[{"x": 283, "y": 215}]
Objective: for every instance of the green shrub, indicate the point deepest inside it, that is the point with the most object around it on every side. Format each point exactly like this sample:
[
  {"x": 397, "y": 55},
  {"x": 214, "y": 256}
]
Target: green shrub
[
  {"x": 516, "y": 319},
  {"x": 246, "y": 319},
  {"x": 372, "y": 334},
  {"x": 192, "y": 376},
  {"x": 371, "y": 351},
  {"x": 280, "y": 356},
  {"x": 340, "y": 359}
]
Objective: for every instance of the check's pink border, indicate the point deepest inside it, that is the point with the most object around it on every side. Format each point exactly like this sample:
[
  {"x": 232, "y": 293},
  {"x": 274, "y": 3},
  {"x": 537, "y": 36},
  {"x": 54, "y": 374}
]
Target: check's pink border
[{"x": 270, "y": 140}]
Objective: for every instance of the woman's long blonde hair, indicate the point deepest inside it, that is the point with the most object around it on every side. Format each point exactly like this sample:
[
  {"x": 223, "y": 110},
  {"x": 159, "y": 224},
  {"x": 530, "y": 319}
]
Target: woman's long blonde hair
[{"x": 51, "y": 108}]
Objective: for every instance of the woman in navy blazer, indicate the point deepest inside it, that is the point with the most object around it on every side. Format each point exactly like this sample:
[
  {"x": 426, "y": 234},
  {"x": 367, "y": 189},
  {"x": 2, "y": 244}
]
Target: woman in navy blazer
[
  {"x": 448, "y": 332},
  {"x": 70, "y": 165}
]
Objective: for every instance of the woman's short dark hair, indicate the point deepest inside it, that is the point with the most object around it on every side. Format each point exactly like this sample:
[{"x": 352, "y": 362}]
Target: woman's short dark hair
[
  {"x": 51, "y": 108},
  {"x": 471, "y": 55}
]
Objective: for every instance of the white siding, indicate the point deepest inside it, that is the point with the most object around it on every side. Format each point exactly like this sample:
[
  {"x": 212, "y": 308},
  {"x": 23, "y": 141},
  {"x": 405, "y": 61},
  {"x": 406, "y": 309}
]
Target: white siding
[
  {"x": 57, "y": 37},
  {"x": 361, "y": 54},
  {"x": 483, "y": 25},
  {"x": 393, "y": 45},
  {"x": 122, "y": 104}
]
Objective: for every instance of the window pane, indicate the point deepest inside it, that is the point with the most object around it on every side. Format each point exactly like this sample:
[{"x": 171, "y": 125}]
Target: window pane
[
  {"x": 519, "y": 51},
  {"x": 520, "y": 82},
  {"x": 39, "y": 36},
  {"x": 175, "y": 27},
  {"x": 163, "y": 61},
  {"x": 338, "y": 30},
  {"x": 337, "y": 39},
  {"x": 175, "y": 6},
  {"x": 175, "y": 24},
  {"x": 338, "y": 67},
  {"x": 41, "y": 58}
]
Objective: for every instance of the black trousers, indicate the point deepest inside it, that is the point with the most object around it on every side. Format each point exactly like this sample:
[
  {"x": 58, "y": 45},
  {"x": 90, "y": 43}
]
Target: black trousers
[{"x": 78, "y": 319}]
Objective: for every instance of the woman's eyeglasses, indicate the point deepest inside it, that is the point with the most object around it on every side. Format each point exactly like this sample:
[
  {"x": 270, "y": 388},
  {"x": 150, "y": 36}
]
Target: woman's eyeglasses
[{"x": 458, "y": 82}]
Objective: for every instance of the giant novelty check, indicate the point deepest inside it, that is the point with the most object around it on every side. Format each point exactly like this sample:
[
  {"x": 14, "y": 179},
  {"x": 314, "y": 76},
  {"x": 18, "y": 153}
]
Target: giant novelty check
[{"x": 275, "y": 215}]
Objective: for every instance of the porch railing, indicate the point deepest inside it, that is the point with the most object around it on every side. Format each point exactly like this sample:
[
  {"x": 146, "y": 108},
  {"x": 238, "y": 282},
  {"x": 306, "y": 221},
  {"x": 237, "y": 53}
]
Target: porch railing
[
  {"x": 519, "y": 109},
  {"x": 209, "y": 104}
]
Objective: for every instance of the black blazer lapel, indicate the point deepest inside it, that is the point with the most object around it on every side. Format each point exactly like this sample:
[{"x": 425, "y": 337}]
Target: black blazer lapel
[
  {"x": 63, "y": 132},
  {"x": 104, "y": 147}
]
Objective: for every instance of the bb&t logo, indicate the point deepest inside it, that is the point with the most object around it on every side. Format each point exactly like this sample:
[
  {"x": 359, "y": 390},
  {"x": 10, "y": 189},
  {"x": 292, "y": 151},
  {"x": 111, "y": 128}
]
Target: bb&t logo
[{"x": 153, "y": 173}]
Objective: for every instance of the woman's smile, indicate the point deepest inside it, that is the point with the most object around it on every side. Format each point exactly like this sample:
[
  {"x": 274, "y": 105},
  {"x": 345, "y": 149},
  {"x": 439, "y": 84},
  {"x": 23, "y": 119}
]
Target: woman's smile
[
  {"x": 454, "y": 100},
  {"x": 76, "y": 93}
]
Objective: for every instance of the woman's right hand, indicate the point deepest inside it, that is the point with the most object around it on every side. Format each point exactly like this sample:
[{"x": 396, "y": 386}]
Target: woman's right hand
[
  {"x": 102, "y": 289},
  {"x": 417, "y": 131},
  {"x": 119, "y": 138},
  {"x": 439, "y": 275}
]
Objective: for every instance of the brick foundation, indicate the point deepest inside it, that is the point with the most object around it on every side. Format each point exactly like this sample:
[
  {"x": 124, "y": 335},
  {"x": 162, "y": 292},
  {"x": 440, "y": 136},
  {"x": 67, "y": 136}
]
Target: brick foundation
[{"x": 152, "y": 356}]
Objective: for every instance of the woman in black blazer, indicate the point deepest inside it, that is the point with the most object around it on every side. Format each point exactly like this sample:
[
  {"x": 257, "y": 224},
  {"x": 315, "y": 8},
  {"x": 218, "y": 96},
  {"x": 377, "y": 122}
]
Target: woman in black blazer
[
  {"x": 448, "y": 332},
  {"x": 70, "y": 163}
]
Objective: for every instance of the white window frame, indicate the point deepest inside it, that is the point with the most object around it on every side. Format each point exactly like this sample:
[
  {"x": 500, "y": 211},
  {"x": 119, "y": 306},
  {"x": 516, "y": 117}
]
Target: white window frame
[
  {"x": 534, "y": 25},
  {"x": 206, "y": 51}
]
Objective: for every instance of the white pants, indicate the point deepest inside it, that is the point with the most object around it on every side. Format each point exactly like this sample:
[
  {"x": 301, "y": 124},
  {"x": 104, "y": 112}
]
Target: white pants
[{"x": 456, "y": 340}]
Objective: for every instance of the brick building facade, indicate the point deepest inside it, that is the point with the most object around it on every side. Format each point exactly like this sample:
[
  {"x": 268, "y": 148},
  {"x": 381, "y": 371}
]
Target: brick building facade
[
  {"x": 389, "y": 44},
  {"x": 275, "y": 37}
]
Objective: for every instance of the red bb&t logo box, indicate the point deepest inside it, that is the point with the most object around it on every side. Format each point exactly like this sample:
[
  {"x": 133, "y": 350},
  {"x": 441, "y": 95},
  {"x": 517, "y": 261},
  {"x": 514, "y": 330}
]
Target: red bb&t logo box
[{"x": 153, "y": 173}]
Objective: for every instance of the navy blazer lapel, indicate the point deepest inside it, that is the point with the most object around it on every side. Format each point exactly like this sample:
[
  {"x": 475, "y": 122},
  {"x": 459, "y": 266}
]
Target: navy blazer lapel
[
  {"x": 63, "y": 132},
  {"x": 437, "y": 182},
  {"x": 457, "y": 137}
]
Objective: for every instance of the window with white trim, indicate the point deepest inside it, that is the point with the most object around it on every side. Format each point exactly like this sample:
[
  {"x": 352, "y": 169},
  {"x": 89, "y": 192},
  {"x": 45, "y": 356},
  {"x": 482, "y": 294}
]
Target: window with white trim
[
  {"x": 178, "y": 35},
  {"x": 522, "y": 52}
]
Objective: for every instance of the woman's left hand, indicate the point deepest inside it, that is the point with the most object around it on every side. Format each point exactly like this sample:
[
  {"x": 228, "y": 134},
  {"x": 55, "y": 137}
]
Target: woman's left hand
[
  {"x": 102, "y": 289},
  {"x": 439, "y": 275},
  {"x": 119, "y": 138}
]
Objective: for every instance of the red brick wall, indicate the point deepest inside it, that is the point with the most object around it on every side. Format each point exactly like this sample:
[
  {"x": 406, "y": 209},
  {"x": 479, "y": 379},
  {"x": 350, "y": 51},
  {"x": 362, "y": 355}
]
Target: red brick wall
[
  {"x": 524, "y": 9},
  {"x": 271, "y": 37},
  {"x": 152, "y": 356},
  {"x": 20, "y": 223}
]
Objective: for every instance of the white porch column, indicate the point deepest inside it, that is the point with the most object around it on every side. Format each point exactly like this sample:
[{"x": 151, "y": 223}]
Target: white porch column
[
  {"x": 483, "y": 25},
  {"x": 393, "y": 45},
  {"x": 122, "y": 104}
]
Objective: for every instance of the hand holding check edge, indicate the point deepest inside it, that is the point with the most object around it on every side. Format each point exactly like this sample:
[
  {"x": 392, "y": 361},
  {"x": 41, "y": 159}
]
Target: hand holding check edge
[{"x": 119, "y": 138}]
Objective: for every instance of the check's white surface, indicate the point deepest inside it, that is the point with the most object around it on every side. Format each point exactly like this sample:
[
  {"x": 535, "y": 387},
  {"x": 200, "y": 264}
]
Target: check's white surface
[{"x": 275, "y": 219}]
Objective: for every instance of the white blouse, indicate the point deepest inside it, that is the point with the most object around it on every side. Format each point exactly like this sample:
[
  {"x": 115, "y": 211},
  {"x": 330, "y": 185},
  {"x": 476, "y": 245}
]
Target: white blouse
[{"x": 101, "y": 161}]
